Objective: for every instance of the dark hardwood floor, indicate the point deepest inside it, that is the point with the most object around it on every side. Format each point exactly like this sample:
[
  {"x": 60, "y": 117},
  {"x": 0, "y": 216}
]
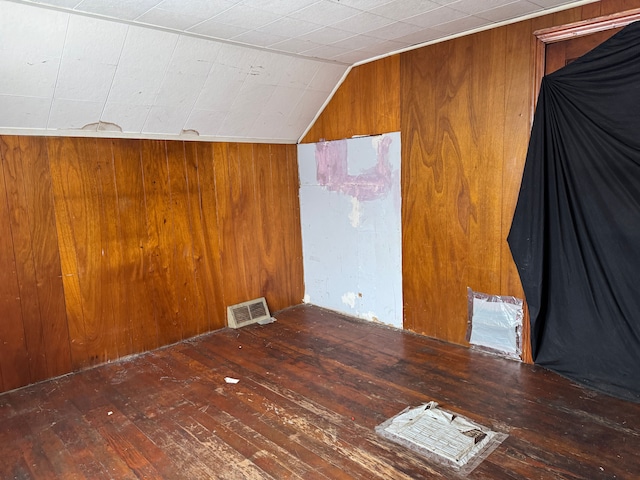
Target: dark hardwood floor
[{"x": 311, "y": 389}]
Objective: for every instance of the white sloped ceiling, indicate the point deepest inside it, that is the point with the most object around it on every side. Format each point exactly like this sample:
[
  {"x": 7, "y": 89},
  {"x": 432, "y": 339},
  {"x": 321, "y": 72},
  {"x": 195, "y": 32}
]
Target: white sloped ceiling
[{"x": 252, "y": 70}]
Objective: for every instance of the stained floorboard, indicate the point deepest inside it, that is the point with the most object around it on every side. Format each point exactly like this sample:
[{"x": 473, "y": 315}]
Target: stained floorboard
[{"x": 312, "y": 387}]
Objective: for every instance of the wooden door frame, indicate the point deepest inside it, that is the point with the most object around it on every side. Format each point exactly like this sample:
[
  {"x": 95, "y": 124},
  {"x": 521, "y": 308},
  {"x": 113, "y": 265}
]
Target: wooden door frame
[{"x": 573, "y": 30}]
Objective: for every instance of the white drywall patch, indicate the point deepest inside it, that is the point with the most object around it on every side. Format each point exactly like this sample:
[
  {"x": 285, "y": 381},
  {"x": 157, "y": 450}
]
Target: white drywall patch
[
  {"x": 349, "y": 298},
  {"x": 351, "y": 235}
]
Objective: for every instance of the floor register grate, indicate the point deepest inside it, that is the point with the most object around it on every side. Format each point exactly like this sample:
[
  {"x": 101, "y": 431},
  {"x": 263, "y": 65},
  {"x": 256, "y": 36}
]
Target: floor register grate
[{"x": 442, "y": 436}]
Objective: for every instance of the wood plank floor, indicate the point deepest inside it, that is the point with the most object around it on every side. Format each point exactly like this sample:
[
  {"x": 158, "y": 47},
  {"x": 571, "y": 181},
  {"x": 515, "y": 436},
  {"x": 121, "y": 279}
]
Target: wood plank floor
[{"x": 311, "y": 389}]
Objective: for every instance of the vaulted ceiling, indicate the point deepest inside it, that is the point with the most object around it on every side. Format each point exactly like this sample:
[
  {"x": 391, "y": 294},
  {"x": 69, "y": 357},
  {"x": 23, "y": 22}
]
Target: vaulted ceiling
[{"x": 238, "y": 70}]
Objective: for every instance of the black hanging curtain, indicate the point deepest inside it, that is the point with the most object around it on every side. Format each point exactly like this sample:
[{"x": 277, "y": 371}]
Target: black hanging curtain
[{"x": 575, "y": 236}]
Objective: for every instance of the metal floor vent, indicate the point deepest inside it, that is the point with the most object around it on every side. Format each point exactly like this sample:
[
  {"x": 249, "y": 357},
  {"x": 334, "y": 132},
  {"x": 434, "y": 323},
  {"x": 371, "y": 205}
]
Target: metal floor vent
[
  {"x": 442, "y": 436},
  {"x": 246, "y": 313}
]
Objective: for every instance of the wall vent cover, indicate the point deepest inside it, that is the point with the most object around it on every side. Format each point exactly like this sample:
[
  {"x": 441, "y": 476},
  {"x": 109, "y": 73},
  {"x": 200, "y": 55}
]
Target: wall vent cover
[{"x": 246, "y": 313}]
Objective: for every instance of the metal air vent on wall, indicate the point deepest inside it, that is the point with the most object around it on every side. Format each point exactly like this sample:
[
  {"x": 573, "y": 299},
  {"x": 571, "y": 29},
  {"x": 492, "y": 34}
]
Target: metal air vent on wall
[{"x": 246, "y": 313}]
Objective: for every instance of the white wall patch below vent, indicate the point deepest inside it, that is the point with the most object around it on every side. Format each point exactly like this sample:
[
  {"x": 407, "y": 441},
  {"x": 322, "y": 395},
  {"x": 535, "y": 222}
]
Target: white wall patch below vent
[{"x": 246, "y": 313}]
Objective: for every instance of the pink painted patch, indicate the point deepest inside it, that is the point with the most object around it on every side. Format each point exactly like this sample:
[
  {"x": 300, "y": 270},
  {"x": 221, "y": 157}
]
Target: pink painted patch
[{"x": 333, "y": 173}]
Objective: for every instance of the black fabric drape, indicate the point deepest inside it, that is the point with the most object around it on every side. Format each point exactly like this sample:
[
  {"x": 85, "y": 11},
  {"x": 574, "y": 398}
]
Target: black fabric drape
[{"x": 575, "y": 236}]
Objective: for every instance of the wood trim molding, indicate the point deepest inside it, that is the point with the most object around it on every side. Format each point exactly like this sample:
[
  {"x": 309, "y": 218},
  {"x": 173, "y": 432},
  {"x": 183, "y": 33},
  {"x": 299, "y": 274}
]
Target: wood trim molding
[
  {"x": 587, "y": 27},
  {"x": 573, "y": 30}
]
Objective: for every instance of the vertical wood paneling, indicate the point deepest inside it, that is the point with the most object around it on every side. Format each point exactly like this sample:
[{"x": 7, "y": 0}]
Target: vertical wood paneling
[
  {"x": 615, "y": 6},
  {"x": 260, "y": 242},
  {"x": 14, "y": 359},
  {"x": 113, "y": 276},
  {"x": 516, "y": 134},
  {"x": 117, "y": 332},
  {"x": 230, "y": 212},
  {"x": 347, "y": 115},
  {"x": 190, "y": 302},
  {"x": 200, "y": 322},
  {"x": 135, "y": 306},
  {"x": 485, "y": 170},
  {"x": 160, "y": 241},
  {"x": 121, "y": 247},
  {"x": 417, "y": 145},
  {"x": 292, "y": 245},
  {"x": 277, "y": 217},
  {"x": 21, "y": 237},
  {"x": 81, "y": 173},
  {"x": 249, "y": 229},
  {"x": 91, "y": 252},
  {"x": 453, "y": 123},
  {"x": 46, "y": 258},
  {"x": 276, "y": 171},
  {"x": 456, "y": 211},
  {"x": 236, "y": 201},
  {"x": 207, "y": 230},
  {"x": 264, "y": 218},
  {"x": 111, "y": 254},
  {"x": 28, "y": 183},
  {"x": 66, "y": 181}
]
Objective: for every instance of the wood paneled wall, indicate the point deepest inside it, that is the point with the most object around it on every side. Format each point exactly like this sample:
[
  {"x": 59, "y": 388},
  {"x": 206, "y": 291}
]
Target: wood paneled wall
[
  {"x": 113, "y": 247},
  {"x": 465, "y": 110},
  {"x": 348, "y": 114},
  {"x": 34, "y": 334},
  {"x": 452, "y": 178}
]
